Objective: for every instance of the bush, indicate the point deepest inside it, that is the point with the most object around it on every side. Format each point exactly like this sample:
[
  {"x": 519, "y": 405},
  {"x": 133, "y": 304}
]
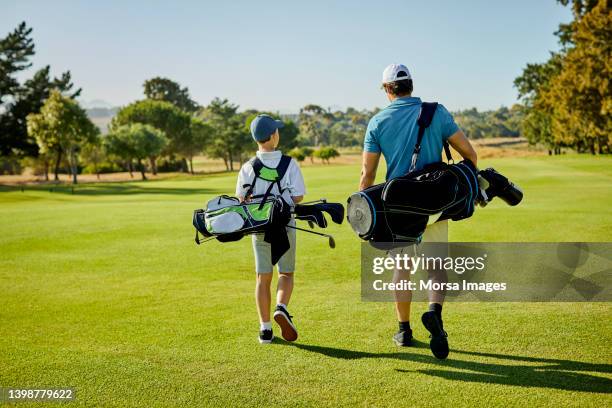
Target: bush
[
  {"x": 297, "y": 153},
  {"x": 325, "y": 153},
  {"x": 103, "y": 168},
  {"x": 307, "y": 152},
  {"x": 170, "y": 165}
]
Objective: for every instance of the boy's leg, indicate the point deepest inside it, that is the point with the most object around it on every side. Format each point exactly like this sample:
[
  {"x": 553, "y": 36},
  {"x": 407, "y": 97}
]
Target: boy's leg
[
  {"x": 284, "y": 288},
  {"x": 263, "y": 297},
  {"x": 286, "y": 266}
]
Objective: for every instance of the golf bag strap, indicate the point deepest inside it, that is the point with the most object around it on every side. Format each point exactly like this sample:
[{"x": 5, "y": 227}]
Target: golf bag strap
[
  {"x": 428, "y": 109},
  {"x": 281, "y": 169}
]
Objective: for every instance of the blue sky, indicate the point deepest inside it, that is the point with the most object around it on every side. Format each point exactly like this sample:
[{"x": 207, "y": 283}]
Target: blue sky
[{"x": 279, "y": 56}]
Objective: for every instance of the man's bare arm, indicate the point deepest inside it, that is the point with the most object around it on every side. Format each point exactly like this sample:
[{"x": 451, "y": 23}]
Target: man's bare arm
[
  {"x": 368, "y": 169},
  {"x": 462, "y": 145}
]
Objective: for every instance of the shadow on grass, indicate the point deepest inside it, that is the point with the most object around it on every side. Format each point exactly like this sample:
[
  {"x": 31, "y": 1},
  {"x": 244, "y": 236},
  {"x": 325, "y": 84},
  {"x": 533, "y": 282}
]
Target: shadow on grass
[{"x": 548, "y": 373}]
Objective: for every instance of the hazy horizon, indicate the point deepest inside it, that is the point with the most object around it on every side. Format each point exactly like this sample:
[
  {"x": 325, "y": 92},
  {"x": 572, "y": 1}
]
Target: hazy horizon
[{"x": 283, "y": 56}]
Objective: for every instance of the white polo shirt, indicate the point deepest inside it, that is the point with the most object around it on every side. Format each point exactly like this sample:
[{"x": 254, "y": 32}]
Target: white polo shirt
[{"x": 292, "y": 182}]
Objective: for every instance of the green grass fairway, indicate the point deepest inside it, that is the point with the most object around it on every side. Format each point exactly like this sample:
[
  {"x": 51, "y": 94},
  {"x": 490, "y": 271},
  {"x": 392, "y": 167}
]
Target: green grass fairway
[{"x": 105, "y": 291}]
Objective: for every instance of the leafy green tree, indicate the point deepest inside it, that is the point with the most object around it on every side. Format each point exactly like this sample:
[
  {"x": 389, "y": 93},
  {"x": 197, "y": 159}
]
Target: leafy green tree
[
  {"x": 93, "y": 154},
  {"x": 231, "y": 137},
  {"x": 164, "y": 89},
  {"x": 201, "y": 135},
  {"x": 311, "y": 124},
  {"x": 581, "y": 92},
  {"x": 17, "y": 100},
  {"x": 326, "y": 153},
  {"x": 297, "y": 153},
  {"x": 567, "y": 99},
  {"x": 172, "y": 121},
  {"x": 308, "y": 152},
  {"x": 15, "y": 52},
  {"x": 62, "y": 122},
  {"x": 135, "y": 142}
]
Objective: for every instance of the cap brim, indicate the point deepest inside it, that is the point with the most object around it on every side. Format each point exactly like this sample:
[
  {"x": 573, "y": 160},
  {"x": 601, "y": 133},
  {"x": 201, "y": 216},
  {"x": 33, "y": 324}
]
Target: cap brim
[{"x": 279, "y": 124}]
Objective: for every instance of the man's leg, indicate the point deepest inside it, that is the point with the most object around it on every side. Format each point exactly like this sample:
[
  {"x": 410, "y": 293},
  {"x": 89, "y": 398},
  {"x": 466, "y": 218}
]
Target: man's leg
[
  {"x": 432, "y": 319},
  {"x": 403, "y": 299}
]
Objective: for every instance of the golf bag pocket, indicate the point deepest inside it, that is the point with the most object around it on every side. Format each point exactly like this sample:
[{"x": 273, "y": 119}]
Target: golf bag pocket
[
  {"x": 224, "y": 222},
  {"x": 221, "y": 201},
  {"x": 426, "y": 192}
]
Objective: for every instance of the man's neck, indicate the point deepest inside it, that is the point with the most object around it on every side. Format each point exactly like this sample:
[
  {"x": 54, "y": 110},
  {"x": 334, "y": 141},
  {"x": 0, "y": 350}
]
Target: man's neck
[{"x": 394, "y": 97}]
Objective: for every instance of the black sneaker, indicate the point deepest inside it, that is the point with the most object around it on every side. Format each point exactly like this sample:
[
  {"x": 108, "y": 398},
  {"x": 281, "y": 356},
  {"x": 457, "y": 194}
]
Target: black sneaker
[
  {"x": 439, "y": 341},
  {"x": 265, "y": 336},
  {"x": 288, "y": 330},
  {"x": 403, "y": 338}
]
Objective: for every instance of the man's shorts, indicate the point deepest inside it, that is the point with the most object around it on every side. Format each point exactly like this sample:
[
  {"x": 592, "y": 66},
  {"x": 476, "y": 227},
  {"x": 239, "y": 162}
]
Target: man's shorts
[
  {"x": 263, "y": 254},
  {"x": 437, "y": 232}
]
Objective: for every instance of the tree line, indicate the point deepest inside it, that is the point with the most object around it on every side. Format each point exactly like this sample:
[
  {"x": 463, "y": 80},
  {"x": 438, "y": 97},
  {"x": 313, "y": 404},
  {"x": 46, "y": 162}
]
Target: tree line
[
  {"x": 565, "y": 103},
  {"x": 567, "y": 99}
]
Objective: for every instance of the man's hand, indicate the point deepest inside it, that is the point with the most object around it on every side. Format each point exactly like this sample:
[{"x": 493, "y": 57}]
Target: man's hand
[
  {"x": 462, "y": 145},
  {"x": 368, "y": 169}
]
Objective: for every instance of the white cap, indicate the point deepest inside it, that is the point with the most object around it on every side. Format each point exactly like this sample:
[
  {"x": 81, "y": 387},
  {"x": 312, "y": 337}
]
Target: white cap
[{"x": 395, "y": 72}]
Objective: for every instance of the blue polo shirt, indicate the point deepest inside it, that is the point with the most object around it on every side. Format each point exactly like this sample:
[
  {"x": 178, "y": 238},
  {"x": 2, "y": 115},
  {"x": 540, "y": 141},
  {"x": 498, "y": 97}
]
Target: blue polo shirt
[{"x": 393, "y": 132}]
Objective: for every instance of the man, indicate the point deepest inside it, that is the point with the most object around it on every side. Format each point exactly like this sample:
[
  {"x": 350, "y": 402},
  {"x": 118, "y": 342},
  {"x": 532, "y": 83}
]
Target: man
[{"x": 392, "y": 132}]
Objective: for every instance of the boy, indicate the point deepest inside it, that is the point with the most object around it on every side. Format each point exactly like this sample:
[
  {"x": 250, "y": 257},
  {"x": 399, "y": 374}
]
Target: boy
[{"x": 264, "y": 130}]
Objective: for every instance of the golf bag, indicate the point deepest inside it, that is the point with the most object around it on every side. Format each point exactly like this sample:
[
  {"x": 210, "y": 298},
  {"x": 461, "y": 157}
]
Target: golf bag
[
  {"x": 400, "y": 209},
  {"x": 227, "y": 219}
]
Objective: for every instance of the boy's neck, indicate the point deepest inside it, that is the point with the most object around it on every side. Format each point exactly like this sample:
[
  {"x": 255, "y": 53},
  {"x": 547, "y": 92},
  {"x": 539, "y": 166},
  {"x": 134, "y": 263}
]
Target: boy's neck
[{"x": 266, "y": 149}]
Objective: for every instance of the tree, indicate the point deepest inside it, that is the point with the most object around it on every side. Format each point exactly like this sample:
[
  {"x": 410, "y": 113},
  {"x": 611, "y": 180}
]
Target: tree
[
  {"x": 581, "y": 92},
  {"x": 164, "y": 89},
  {"x": 93, "y": 153},
  {"x": 308, "y": 152},
  {"x": 135, "y": 142},
  {"x": 326, "y": 153},
  {"x": 311, "y": 123},
  {"x": 231, "y": 136},
  {"x": 172, "y": 121},
  {"x": 18, "y": 101},
  {"x": 201, "y": 133},
  {"x": 567, "y": 98},
  {"x": 297, "y": 153},
  {"x": 15, "y": 51},
  {"x": 62, "y": 123}
]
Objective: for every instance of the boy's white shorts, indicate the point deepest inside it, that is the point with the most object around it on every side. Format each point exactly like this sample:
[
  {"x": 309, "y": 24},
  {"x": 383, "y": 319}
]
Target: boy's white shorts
[{"x": 263, "y": 254}]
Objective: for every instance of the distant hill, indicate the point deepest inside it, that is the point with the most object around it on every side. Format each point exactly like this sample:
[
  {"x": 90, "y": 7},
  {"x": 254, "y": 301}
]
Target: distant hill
[{"x": 101, "y": 117}]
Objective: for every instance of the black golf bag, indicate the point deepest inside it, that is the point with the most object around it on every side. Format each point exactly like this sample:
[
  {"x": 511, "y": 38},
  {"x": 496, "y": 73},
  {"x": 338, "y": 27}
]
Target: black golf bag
[{"x": 400, "y": 209}]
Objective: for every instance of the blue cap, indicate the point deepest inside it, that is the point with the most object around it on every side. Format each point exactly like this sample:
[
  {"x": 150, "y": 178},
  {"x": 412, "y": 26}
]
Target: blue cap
[{"x": 263, "y": 126}]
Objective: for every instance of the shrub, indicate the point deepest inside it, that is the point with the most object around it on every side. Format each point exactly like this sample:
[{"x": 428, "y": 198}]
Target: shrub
[
  {"x": 297, "y": 153},
  {"x": 325, "y": 153}
]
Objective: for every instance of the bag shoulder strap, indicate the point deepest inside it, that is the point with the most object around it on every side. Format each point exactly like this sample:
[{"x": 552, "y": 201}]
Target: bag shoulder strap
[
  {"x": 428, "y": 110},
  {"x": 274, "y": 176}
]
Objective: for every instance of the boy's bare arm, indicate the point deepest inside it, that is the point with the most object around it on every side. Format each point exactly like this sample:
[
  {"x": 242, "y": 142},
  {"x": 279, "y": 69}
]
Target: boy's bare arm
[{"x": 368, "y": 169}]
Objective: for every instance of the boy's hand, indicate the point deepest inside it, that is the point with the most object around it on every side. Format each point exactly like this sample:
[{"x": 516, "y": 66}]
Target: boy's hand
[{"x": 297, "y": 199}]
